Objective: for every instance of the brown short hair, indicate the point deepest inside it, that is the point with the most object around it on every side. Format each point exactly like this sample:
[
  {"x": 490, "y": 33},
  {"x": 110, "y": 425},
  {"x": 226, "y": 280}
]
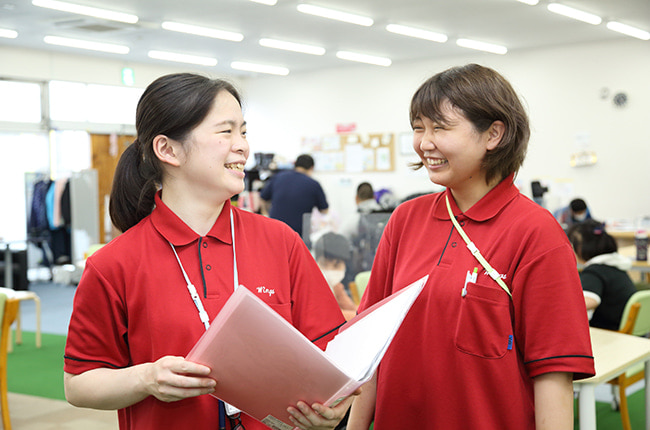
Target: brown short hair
[{"x": 483, "y": 96}]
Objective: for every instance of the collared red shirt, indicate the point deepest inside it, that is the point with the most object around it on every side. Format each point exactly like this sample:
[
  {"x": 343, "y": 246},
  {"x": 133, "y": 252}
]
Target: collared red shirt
[
  {"x": 132, "y": 305},
  {"x": 468, "y": 361}
]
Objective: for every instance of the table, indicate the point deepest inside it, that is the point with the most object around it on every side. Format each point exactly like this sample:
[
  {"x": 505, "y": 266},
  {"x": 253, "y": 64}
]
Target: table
[{"x": 614, "y": 353}]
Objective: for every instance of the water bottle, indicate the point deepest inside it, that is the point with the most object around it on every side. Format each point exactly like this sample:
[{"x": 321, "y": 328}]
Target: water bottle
[{"x": 641, "y": 243}]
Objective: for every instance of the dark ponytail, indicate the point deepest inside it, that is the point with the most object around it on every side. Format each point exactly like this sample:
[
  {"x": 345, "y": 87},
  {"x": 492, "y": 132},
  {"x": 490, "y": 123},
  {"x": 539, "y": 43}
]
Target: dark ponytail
[
  {"x": 132, "y": 194},
  {"x": 172, "y": 105}
]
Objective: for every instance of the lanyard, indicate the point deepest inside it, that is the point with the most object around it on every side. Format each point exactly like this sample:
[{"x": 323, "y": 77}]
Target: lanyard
[
  {"x": 475, "y": 252},
  {"x": 224, "y": 408},
  {"x": 203, "y": 315}
]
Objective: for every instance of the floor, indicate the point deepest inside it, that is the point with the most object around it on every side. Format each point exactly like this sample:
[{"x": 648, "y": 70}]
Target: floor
[
  {"x": 32, "y": 413},
  {"x": 37, "y": 413}
]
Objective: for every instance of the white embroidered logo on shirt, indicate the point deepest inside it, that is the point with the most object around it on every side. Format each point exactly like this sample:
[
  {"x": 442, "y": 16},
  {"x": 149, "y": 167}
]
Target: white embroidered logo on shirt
[{"x": 264, "y": 290}]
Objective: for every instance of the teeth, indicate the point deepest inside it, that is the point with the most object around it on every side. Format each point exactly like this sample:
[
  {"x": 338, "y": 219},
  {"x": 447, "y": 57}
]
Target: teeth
[
  {"x": 235, "y": 166},
  {"x": 435, "y": 162}
]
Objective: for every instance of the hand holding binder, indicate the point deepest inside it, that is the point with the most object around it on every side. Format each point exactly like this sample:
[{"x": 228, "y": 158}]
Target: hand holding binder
[{"x": 262, "y": 364}]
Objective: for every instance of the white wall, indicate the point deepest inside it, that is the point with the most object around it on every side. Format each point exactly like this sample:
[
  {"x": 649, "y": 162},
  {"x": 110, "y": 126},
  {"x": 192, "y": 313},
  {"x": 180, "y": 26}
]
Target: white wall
[{"x": 560, "y": 86}]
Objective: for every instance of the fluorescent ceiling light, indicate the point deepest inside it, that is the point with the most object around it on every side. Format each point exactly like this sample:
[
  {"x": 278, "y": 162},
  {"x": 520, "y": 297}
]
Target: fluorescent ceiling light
[
  {"x": 202, "y": 31},
  {"x": 260, "y": 68},
  {"x": 86, "y": 10},
  {"x": 9, "y": 34},
  {"x": 335, "y": 14},
  {"x": 628, "y": 30},
  {"x": 182, "y": 58},
  {"x": 530, "y": 2},
  {"x": 267, "y": 2},
  {"x": 574, "y": 13},
  {"x": 363, "y": 58},
  {"x": 482, "y": 46},
  {"x": 416, "y": 32},
  {"x": 290, "y": 46},
  {"x": 86, "y": 44}
]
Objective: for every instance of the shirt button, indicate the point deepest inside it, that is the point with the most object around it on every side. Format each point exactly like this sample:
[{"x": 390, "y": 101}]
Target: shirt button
[
  {"x": 462, "y": 223},
  {"x": 208, "y": 267},
  {"x": 205, "y": 244},
  {"x": 453, "y": 244}
]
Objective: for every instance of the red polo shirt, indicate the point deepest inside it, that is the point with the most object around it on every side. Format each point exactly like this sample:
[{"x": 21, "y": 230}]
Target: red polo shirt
[
  {"x": 132, "y": 305},
  {"x": 461, "y": 362}
]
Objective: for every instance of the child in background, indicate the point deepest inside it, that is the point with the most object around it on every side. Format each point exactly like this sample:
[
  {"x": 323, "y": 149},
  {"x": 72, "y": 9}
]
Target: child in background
[
  {"x": 331, "y": 251},
  {"x": 605, "y": 282}
]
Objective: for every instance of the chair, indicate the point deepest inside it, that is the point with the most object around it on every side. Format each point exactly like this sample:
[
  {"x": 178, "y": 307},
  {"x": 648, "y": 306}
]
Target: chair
[
  {"x": 19, "y": 296},
  {"x": 361, "y": 281},
  {"x": 8, "y": 312},
  {"x": 635, "y": 321},
  {"x": 354, "y": 293}
]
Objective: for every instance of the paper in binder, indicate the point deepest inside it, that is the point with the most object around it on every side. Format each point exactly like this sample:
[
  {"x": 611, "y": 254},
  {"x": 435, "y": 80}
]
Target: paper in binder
[{"x": 262, "y": 364}]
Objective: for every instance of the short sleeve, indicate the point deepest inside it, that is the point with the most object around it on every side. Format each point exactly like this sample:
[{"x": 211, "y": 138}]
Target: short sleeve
[
  {"x": 97, "y": 331},
  {"x": 591, "y": 282}
]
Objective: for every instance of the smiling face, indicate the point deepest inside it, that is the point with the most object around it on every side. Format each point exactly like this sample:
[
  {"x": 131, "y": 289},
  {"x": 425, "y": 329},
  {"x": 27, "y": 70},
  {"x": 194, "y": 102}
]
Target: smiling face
[
  {"x": 452, "y": 150},
  {"x": 216, "y": 151}
]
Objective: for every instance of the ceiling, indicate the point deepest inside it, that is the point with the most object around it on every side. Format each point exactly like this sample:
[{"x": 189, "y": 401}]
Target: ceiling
[{"x": 505, "y": 22}]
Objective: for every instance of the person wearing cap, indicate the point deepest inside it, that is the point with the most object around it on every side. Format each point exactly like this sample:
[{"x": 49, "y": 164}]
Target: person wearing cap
[{"x": 331, "y": 252}]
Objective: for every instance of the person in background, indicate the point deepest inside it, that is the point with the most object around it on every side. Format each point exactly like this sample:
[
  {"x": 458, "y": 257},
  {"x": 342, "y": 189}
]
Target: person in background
[
  {"x": 331, "y": 252},
  {"x": 290, "y": 194},
  {"x": 607, "y": 286},
  {"x": 479, "y": 349},
  {"x": 146, "y": 297},
  {"x": 366, "y": 203},
  {"x": 577, "y": 211}
]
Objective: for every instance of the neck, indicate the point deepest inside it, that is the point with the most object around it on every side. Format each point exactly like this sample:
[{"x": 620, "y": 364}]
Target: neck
[
  {"x": 199, "y": 214},
  {"x": 303, "y": 171},
  {"x": 467, "y": 197}
]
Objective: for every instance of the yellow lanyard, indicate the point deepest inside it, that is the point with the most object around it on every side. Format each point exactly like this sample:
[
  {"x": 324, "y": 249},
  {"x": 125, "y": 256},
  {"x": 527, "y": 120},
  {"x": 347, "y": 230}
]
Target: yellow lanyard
[{"x": 475, "y": 252}]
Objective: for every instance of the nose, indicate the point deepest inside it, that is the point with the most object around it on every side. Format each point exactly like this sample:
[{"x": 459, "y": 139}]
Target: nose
[
  {"x": 423, "y": 142},
  {"x": 240, "y": 145}
]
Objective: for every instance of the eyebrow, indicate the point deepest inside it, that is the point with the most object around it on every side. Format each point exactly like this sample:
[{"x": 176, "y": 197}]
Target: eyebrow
[{"x": 230, "y": 123}]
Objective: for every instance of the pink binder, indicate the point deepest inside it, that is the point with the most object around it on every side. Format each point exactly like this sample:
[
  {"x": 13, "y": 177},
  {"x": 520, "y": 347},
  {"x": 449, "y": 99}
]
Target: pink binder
[{"x": 262, "y": 364}]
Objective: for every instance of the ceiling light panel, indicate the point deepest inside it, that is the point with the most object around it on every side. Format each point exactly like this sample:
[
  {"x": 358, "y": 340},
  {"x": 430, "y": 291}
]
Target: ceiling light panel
[
  {"x": 530, "y": 2},
  {"x": 9, "y": 34},
  {"x": 363, "y": 58},
  {"x": 87, "y": 11},
  {"x": 266, "y": 2},
  {"x": 335, "y": 14},
  {"x": 86, "y": 44},
  {"x": 202, "y": 31},
  {"x": 482, "y": 46},
  {"x": 570, "y": 12},
  {"x": 628, "y": 30},
  {"x": 416, "y": 32},
  {"x": 259, "y": 68},
  {"x": 290, "y": 46},
  {"x": 182, "y": 58}
]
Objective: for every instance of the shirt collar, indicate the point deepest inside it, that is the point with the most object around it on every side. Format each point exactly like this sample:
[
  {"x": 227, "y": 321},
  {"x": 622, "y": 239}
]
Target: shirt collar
[
  {"x": 486, "y": 208},
  {"x": 174, "y": 229}
]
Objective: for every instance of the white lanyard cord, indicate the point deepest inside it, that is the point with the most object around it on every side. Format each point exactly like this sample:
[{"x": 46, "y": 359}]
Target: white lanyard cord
[
  {"x": 203, "y": 315},
  {"x": 195, "y": 296},
  {"x": 475, "y": 252}
]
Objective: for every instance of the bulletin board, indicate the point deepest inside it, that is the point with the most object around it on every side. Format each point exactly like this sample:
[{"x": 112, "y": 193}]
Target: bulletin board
[{"x": 352, "y": 153}]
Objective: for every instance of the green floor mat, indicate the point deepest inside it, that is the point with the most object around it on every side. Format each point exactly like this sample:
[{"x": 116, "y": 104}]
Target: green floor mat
[{"x": 37, "y": 371}]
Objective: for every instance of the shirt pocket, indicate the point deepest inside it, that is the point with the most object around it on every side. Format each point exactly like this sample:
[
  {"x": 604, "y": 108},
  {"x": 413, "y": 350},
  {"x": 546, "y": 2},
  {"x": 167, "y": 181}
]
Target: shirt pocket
[{"x": 484, "y": 327}]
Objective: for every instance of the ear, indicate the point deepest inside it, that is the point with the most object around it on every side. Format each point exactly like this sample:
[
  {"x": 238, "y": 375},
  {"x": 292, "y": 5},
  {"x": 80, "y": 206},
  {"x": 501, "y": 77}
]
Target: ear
[
  {"x": 495, "y": 134},
  {"x": 166, "y": 150}
]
